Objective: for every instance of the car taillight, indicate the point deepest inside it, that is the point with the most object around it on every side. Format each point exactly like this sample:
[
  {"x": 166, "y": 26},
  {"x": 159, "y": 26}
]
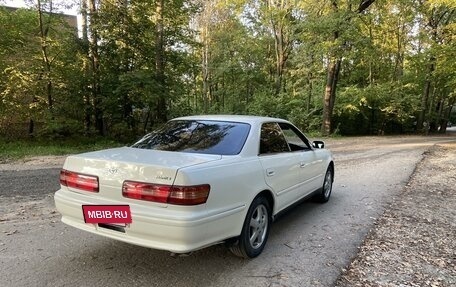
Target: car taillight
[
  {"x": 146, "y": 191},
  {"x": 79, "y": 181},
  {"x": 189, "y": 195},
  {"x": 172, "y": 194}
]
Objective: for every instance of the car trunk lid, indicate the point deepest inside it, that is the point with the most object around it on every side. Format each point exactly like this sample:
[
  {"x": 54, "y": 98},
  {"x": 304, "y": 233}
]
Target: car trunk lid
[{"x": 114, "y": 166}]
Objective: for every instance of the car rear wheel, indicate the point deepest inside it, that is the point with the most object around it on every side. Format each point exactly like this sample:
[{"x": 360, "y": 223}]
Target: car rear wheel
[
  {"x": 255, "y": 230},
  {"x": 325, "y": 193}
]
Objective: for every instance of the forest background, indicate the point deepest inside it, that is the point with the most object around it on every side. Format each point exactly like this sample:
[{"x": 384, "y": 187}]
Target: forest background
[{"x": 348, "y": 67}]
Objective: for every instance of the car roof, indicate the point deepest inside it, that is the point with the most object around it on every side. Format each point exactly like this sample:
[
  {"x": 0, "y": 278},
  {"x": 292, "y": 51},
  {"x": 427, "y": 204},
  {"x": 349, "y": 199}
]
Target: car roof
[{"x": 233, "y": 118}]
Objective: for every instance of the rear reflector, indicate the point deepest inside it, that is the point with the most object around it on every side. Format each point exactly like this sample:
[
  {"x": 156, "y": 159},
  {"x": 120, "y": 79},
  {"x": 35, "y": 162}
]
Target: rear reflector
[
  {"x": 172, "y": 194},
  {"x": 79, "y": 181}
]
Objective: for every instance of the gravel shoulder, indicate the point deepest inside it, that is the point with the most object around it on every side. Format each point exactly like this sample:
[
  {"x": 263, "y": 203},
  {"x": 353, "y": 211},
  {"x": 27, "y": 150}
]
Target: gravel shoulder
[
  {"x": 33, "y": 163},
  {"x": 413, "y": 242}
]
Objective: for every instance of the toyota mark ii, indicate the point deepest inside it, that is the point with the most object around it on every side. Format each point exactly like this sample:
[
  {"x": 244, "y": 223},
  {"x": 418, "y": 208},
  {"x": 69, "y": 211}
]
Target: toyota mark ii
[{"x": 195, "y": 182}]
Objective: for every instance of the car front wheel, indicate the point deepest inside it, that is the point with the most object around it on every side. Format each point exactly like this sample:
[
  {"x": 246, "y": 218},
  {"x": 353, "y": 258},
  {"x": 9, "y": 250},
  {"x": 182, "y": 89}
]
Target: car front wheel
[
  {"x": 255, "y": 230},
  {"x": 325, "y": 193}
]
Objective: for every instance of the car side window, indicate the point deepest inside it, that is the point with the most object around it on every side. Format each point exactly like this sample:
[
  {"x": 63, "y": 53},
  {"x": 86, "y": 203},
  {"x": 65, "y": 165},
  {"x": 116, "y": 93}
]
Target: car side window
[
  {"x": 296, "y": 141},
  {"x": 272, "y": 139}
]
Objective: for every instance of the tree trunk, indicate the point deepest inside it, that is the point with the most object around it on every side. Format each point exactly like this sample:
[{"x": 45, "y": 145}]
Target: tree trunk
[
  {"x": 96, "y": 87},
  {"x": 85, "y": 68},
  {"x": 399, "y": 60},
  {"x": 280, "y": 54},
  {"x": 160, "y": 62},
  {"x": 205, "y": 65},
  {"x": 310, "y": 91},
  {"x": 425, "y": 96},
  {"x": 431, "y": 112},
  {"x": 331, "y": 84},
  {"x": 44, "y": 30},
  {"x": 31, "y": 128},
  {"x": 282, "y": 45},
  {"x": 371, "y": 39},
  {"x": 446, "y": 116},
  {"x": 330, "y": 94},
  {"x": 440, "y": 114},
  {"x": 329, "y": 97}
]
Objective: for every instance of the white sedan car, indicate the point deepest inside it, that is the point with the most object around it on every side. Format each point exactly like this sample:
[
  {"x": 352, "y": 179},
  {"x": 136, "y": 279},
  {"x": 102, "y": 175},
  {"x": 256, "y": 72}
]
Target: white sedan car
[{"x": 197, "y": 181}]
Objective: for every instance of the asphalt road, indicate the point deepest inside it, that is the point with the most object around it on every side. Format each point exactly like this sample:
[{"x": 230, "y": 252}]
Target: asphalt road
[{"x": 308, "y": 246}]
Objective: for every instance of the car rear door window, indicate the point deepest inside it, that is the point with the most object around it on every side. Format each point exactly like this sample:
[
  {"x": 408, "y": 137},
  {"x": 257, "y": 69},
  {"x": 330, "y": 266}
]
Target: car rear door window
[{"x": 272, "y": 139}]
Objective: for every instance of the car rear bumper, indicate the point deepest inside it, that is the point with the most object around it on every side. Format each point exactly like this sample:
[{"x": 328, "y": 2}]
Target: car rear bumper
[{"x": 154, "y": 227}]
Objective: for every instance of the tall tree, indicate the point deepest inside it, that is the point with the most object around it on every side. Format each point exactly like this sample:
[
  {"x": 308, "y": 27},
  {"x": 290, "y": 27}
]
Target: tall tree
[
  {"x": 204, "y": 21},
  {"x": 95, "y": 61},
  {"x": 280, "y": 18},
  {"x": 335, "y": 60},
  {"x": 47, "y": 61},
  {"x": 85, "y": 68},
  {"x": 160, "y": 61},
  {"x": 436, "y": 16}
]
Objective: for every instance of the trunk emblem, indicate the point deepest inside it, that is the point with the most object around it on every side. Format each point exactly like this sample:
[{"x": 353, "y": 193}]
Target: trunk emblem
[
  {"x": 112, "y": 170},
  {"x": 163, "y": 177}
]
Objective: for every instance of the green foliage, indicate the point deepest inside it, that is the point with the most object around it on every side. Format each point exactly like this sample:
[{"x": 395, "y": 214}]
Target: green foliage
[
  {"x": 242, "y": 57},
  {"x": 377, "y": 109},
  {"x": 23, "y": 78},
  {"x": 17, "y": 80},
  {"x": 60, "y": 129}
]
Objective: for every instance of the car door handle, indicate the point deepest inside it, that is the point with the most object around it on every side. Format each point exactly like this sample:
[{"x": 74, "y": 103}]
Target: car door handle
[
  {"x": 270, "y": 172},
  {"x": 303, "y": 164}
]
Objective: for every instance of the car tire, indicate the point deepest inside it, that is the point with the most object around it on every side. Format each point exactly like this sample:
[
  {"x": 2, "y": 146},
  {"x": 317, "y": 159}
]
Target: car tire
[
  {"x": 255, "y": 230},
  {"x": 325, "y": 192}
]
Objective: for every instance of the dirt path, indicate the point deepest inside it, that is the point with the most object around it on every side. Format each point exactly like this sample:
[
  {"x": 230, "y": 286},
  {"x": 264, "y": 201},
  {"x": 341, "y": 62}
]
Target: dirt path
[
  {"x": 309, "y": 246},
  {"x": 414, "y": 241}
]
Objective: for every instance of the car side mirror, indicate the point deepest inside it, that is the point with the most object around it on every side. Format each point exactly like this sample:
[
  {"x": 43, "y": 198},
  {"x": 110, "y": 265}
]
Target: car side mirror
[{"x": 318, "y": 144}]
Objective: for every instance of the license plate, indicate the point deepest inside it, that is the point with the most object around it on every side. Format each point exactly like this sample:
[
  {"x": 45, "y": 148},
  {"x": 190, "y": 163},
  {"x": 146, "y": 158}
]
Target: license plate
[{"x": 116, "y": 214}]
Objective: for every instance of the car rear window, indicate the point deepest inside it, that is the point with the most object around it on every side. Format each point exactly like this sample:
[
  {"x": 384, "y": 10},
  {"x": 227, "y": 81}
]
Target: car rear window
[{"x": 207, "y": 137}]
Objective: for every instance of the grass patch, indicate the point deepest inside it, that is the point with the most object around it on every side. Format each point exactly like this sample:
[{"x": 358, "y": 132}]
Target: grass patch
[{"x": 18, "y": 149}]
